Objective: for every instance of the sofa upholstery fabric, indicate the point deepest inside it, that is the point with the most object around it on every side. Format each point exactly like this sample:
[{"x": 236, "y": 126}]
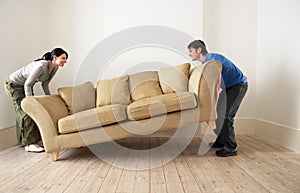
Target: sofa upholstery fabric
[
  {"x": 78, "y": 98},
  {"x": 113, "y": 91},
  {"x": 175, "y": 78},
  {"x": 95, "y": 117},
  {"x": 60, "y": 131},
  {"x": 143, "y": 85},
  {"x": 162, "y": 104}
]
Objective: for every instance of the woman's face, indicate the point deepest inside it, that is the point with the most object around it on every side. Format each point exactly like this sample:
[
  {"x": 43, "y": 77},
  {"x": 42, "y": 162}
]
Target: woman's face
[{"x": 60, "y": 60}]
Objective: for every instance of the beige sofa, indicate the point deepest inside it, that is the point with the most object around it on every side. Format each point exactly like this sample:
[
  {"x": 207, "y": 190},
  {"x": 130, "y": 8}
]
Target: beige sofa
[{"x": 126, "y": 106}]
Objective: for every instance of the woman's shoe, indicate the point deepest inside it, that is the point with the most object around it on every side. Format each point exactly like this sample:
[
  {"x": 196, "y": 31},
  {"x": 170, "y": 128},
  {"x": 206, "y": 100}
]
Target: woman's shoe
[
  {"x": 40, "y": 143},
  {"x": 34, "y": 148}
]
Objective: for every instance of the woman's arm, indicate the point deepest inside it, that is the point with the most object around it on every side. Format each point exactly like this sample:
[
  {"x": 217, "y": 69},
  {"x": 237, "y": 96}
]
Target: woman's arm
[
  {"x": 31, "y": 80},
  {"x": 45, "y": 84}
]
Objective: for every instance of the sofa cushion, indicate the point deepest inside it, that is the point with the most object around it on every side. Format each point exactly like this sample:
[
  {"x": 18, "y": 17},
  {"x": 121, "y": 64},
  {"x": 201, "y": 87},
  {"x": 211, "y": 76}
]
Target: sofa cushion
[
  {"x": 92, "y": 118},
  {"x": 143, "y": 85},
  {"x": 113, "y": 91},
  {"x": 78, "y": 98},
  {"x": 175, "y": 78},
  {"x": 161, "y": 104}
]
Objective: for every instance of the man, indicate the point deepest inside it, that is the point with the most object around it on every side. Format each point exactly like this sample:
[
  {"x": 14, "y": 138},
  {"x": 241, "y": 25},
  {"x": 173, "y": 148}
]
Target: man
[{"x": 234, "y": 87}]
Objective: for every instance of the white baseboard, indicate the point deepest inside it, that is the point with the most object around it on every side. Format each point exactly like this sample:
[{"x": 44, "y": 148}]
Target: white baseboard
[
  {"x": 245, "y": 126},
  {"x": 8, "y": 137},
  {"x": 270, "y": 132},
  {"x": 242, "y": 126},
  {"x": 278, "y": 134}
]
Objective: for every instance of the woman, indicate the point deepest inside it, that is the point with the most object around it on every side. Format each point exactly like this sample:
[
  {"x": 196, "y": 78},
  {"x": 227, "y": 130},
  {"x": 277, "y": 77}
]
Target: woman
[{"x": 20, "y": 85}]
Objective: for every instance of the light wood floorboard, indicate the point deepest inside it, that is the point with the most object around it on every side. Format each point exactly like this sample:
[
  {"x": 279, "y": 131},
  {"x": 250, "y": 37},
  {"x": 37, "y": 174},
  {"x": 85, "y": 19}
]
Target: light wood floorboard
[{"x": 258, "y": 167}]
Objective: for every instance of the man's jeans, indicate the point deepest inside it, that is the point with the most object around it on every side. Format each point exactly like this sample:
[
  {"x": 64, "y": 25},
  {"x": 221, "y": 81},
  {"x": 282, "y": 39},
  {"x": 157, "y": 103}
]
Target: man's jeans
[{"x": 228, "y": 105}]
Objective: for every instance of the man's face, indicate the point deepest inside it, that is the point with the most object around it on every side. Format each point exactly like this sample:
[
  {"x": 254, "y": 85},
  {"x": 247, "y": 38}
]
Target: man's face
[{"x": 194, "y": 53}]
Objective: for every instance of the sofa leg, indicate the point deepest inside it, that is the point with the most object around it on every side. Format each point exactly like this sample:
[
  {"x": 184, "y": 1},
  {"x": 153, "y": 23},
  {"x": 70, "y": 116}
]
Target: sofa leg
[
  {"x": 54, "y": 155},
  {"x": 212, "y": 124}
]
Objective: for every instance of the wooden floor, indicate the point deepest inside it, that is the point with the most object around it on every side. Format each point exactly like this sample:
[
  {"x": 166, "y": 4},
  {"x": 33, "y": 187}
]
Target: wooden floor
[{"x": 259, "y": 167}]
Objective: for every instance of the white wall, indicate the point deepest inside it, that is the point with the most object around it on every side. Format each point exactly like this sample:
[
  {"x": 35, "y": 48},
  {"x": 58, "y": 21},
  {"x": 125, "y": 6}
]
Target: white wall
[
  {"x": 230, "y": 28},
  {"x": 182, "y": 15},
  {"x": 278, "y": 69},
  {"x": 121, "y": 15},
  {"x": 22, "y": 39},
  {"x": 261, "y": 37},
  {"x": 76, "y": 26},
  {"x": 80, "y": 26},
  {"x": 34, "y": 27},
  {"x": 171, "y": 13}
]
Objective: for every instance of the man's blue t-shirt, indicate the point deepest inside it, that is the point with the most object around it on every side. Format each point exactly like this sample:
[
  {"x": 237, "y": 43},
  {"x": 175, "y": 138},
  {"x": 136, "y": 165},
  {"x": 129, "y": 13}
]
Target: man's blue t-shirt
[{"x": 231, "y": 74}]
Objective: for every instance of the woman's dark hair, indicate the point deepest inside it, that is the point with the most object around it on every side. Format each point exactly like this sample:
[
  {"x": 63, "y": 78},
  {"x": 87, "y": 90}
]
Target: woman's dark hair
[
  {"x": 55, "y": 52},
  {"x": 198, "y": 44}
]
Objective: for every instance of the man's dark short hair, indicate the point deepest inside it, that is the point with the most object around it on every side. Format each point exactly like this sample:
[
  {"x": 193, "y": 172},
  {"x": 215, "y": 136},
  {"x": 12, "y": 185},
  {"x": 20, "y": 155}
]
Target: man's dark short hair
[{"x": 198, "y": 44}]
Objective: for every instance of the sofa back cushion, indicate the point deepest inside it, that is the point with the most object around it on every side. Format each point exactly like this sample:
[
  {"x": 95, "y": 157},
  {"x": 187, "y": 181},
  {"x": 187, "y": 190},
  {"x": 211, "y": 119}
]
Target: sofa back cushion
[
  {"x": 113, "y": 91},
  {"x": 175, "y": 78},
  {"x": 143, "y": 85},
  {"x": 78, "y": 98}
]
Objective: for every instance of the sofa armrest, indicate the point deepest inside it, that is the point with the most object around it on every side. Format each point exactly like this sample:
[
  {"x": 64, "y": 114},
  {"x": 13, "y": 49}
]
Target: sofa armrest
[
  {"x": 204, "y": 81},
  {"x": 46, "y": 111}
]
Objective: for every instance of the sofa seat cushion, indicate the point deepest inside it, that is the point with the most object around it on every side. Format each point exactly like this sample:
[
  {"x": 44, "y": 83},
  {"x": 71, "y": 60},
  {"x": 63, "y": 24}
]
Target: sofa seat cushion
[
  {"x": 95, "y": 117},
  {"x": 162, "y": 104}
]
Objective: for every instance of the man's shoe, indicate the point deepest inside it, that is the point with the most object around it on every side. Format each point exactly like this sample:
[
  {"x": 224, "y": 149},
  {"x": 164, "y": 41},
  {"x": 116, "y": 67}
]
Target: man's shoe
[
  {"x": 215, "y": 145},
  {"x": 224, "y": 153},
  {"x": 34, "y": 148}
]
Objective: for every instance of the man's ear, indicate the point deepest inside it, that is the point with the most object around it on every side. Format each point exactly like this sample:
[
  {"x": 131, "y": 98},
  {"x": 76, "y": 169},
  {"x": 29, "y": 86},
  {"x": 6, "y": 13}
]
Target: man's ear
[{"x": 199, "y": 50}]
